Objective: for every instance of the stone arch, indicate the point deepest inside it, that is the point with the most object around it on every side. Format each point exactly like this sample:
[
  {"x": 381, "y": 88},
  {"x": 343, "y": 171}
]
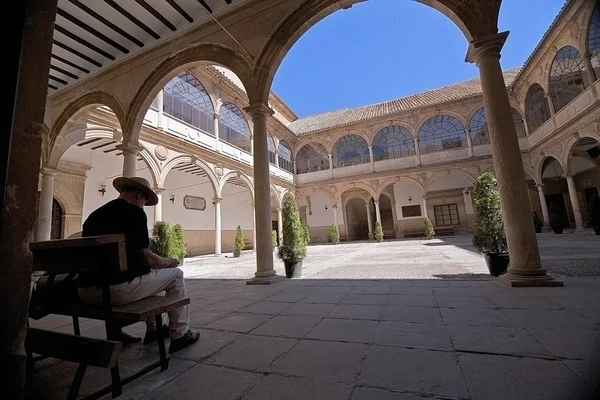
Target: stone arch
[
  {"x": 312, "y": 11},
  {"x": 322, "y": 190},
  {"x": 70, "y": 203},
  {"x": 74, "y": 110},
  {"x": 427, "y": 116},
  {"x": 359, "y": 185},
  {"x": 570, "y": 147},
  {"x": 299, "y": 146},
  {"x": 237, "y": 174},
  {"x": 553, "y": 85},
  {"x": 186, "y": 159},
  {"x": 171, "y": 66},
  {"x": 456, "y": 172},
  {"x": 277, "y": 193},
  {"x": 529, "y": 171},
  {"x": 357, "y": 195},
  {"x": 73, "y": 136},
  {"x": 375, "y": 129},
  {"x": 391, "y": 181},
  {"x": 540, "y": 167},
  {"x": 151, "y": 163}
]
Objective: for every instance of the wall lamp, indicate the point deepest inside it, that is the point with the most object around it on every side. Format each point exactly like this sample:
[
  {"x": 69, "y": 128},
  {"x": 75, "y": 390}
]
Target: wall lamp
[
  {"x": 409, "y": 199},
  {"x": 172, "y": 199},
  {"x": 102, "y": 189},
  {"x": 326, "y": 208},
  {"x": 466, "y": 192}
]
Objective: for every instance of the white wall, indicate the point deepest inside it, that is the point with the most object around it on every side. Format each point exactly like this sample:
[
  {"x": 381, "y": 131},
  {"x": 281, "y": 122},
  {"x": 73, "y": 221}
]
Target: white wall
[
  {"x": 402, "y": 191},
  {"x": 320, "y": 216},
  {"x": 447, "y": 182},
  {"x": 236, "y": 208},
  {"x": 579, "y": 164}
]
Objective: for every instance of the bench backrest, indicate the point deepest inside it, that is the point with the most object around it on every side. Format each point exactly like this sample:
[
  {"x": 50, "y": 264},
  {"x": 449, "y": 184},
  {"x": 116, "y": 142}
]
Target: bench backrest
[{"x": 103, "y": 255}]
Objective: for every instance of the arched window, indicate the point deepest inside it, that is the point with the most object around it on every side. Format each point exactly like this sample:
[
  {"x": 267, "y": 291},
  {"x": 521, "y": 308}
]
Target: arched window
[
  {"x": 537, "y": 110},
  {"x": 519, "y": 123},
  {"x": 285, "y": 157},
  {"x": 566, "y": 77},
  {"x": 479, "y": 127},
  {"x": 594, "y": 41},
  {"x": 185, "y": 98},
  {"x": 233, "y": 127},
  {"x": 350, "y": 150},
  {"x": 312, "y": 157},
  {"x": 440, "y": 133},
  {"x": 393, "y": 142},
  {"x": 271, "y": 146}
]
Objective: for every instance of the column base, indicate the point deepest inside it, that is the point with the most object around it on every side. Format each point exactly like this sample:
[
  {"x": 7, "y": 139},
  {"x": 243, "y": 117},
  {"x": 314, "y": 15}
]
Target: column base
[
  {"x": 265, "y": 280},
  {"x": 524, "y": 277}
]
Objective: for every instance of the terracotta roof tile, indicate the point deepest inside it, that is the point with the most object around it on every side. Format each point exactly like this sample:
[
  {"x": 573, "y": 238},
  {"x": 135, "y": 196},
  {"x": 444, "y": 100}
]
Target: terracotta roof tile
[{"x": 348, "y": 116}]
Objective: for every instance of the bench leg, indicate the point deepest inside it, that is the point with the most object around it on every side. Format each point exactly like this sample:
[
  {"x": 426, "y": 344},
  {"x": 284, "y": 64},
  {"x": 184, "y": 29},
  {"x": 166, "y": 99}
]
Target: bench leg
[
  {"x": 74, "y": 389},
  {"x": 117, "y": 387},
  {"x": 164, "y": 361},
  {"x": 76, "y": 328}
]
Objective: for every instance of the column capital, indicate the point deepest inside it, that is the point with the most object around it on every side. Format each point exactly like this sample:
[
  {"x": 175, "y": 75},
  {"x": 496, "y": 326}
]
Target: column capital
[
  {"x": 334, "y": 206},
  {"x": 540, "y": 186},
  {"x": 129, "y": 148},
  {"x": 257, "y": 109},
  {"x": 217, "y": 200},
  {"x": 484, "y": 48},
  {"x": 46, "y": 171},
  {"x": 216, "y": 115},
  {"x": 279, "y": 209},
  {"x": 376, "y": 203},
  {"x": 158, "y": 190}
]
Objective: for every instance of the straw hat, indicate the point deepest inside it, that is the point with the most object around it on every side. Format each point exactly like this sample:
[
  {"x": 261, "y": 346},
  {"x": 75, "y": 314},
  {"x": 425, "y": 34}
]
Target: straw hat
[{"x": 137, "y": 183}]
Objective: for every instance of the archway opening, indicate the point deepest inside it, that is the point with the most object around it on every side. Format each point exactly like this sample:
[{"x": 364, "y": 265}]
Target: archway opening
[
  {"x": 237, "y": 209},
  {"x": 56, "y": 231},
  {"x": 357, "y": 219},
  {"x": 450, "y": 204},
  {"x": 556, "y": 190},
  {"x": 584, "y": 165}
]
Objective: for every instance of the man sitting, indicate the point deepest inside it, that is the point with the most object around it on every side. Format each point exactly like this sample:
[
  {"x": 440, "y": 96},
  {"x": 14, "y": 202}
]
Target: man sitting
[{"x": 147, "y": 273}]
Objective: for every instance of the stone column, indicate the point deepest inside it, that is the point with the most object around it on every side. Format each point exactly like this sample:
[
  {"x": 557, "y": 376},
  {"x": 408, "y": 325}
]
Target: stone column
[
  {"x": 130, "y": 152},
  {"x": 545, "y": 213},
  {"x": 218, "y": 231},
  {"x": 418, "y": 151},
  {"x": 425, "y": 213},
  {"x": 295, "y": 168},
  {"x": 574, "y": 202},
  {"x": 280, "y": 224},
  {"x": 335, "y": 216},
  {"x": 161, "y": 114},
  {"x": 470, "y": 143},
  {"x": 525, "y": 265},
  {"x": 369, "y": 221},
  {"x": 345, "y": 216},
  {"x": 330, "y": 164},
  {"x": 371, "y": 159},
  {"x": 590, "y": 75},
  {"x": 254, "y": 229},
  {"x": 550, "y": 104},
  {"x": 395, "y": 217},
  {"x": 28, "y": 46},
  {"x": 44, "y": 227},
  {"x": 216, "y": 129},
  {"x": 158, "y": 208},
  {"x": 377, "y": 212},
  {"x": 265, "y": 273}
]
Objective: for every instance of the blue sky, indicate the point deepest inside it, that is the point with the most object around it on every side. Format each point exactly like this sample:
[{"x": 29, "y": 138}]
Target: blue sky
[{"x": 385, "y": 49}]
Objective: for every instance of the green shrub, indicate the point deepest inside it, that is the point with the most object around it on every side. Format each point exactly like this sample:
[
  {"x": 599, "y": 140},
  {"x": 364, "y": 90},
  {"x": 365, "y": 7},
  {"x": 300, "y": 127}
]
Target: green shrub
[
  {"x": 537, "y": 222},
  {"x": 429, "y": 231},
  {"x": 306, "y": 232},
  {"x": 177, "y": 247},
  {"x": 159, "y": 242},
  {"x": 556, "y": 216},
  {"x": 378, "y": 234},
  {"x": 293, "y": 248},
  {"x": 239, "y": 239},
  {"x": 274, "y": 238},
  {"x": 489, "y": 235},
  {"x": 334, "y": 234}
]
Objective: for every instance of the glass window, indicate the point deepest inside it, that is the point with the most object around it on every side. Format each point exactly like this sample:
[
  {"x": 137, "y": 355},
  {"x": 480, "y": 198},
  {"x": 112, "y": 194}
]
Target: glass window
[
  {"x": 441, "y": 133},
  {"x": 479, "y": 127},
  {"x": 537, "y": 110},
  {"x": 446, "y": 215},
  {"x": 566, "y": 77},
  {"x": 185, "y": 98},
  {"x": 312, "y": 157},
  {"x": 519, "y": 123},
  {"x": 271, "y": 146},
  {"x": 285, "y": 157},
  {"x": 393, "y": 142},
  {"x": 594, "y": 41},
  {"x": 233, "y": 127},
  {"x": 350, "y": 150}
]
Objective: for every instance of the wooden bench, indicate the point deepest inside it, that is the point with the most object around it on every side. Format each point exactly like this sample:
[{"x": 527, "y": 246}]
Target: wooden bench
[
  {"x": 444, "y": 231},
  {"x": 414, "y": 233},
  {"x": 103, "y": 256}
]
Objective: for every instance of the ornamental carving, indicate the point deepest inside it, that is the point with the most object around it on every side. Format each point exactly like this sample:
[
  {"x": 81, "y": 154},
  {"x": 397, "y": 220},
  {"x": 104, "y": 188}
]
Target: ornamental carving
[{"x": 161, "y": 153}]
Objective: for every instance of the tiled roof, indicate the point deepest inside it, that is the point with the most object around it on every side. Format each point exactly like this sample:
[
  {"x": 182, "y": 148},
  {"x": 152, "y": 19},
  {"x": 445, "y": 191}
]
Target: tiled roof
[{"x": 347, "y": 116}]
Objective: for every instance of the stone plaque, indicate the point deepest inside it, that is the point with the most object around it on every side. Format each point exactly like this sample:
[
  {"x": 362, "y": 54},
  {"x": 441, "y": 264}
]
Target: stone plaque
[
  {"x": 194, "y": 203},
  {"x": 411, "y": 211}
]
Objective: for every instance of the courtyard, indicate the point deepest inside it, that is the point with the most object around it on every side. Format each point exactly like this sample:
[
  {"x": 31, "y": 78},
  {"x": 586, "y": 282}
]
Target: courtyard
[{"x": 398, "y": 320}]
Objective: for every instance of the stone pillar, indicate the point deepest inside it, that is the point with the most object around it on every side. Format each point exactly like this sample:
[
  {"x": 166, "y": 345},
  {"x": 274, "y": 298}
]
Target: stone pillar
[
  {"x": 252, "y": 147},
  {"x": 335, "y": 216},
  {"x": 470, "y": 143},
  {"x": 330, "y": 165},
  {"x": 28, "y": 46},
  {"x": 280, "y": 224},
  {"x": 468, "y": 202},
  {"x": 130, "y": 152},
  {"x": 161, "y": 114},
  {"x": 218, "y": 231},
  {"x": 158, "y": 208},
  {"x": 590, "y": 75},
  {"x": 574, "y": 202},
  {"x": 545, "y": 213},
  {"x": 265, "y": 274},
  {"x": 44, "y": 227},
  {"x": 369, "y": 221},
  {"x": 395, "y": 217},
  {"x": 345, "y": 216},
  {"x": 550, "y": 104},
  {"x": 377, "y": 212},
  {"x": 425, "y": 213},
  {"x": 216, "y": 129},
  {"x": 525, "y": 265},
  {"x": 371, "y": 159},
  {"x": 418, "y": 151},
  {"x": 295, "y": 168},
  {"x": 254, "y": 229}
]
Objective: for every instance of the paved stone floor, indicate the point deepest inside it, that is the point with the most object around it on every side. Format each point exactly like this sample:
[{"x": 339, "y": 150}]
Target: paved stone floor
[{"x": 403, "y": 320}]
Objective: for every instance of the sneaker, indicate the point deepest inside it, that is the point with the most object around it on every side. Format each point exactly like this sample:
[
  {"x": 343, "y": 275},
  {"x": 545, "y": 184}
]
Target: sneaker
[
  {"x": 124, "y": 337},
  {"x": 189, "y": 338},
  {"x": 152, "y": 336}
]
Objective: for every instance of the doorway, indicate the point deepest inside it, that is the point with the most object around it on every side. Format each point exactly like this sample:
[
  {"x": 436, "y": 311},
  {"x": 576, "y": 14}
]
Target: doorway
[
  {"x": 559, "y": 201},
  {"x": 57, "y": 219}
]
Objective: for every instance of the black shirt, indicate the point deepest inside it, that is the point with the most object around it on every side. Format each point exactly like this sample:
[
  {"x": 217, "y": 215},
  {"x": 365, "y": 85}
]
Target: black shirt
[{"x": 118, "y": 216}]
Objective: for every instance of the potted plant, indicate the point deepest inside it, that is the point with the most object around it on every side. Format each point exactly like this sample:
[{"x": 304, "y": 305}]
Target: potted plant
[
  {"x": 537, "y": 223},
  {"x": 239, "y": 242},
  {"x": 378, "y": 234},
  {"x": 177, "y": 245},
  {"x": 594, "y": 213},
  {"x": 306, "y": 233},
  {"x": 274, "y": 239},
  {"x": 489, "y": 236},
  {"x": 334, "y": 234},
  {"x": 556, "y": 218},
  {"x": 159, "y": 242},
  {"x": 429, "y": 231},
  {"x": 293, "y": 249}
]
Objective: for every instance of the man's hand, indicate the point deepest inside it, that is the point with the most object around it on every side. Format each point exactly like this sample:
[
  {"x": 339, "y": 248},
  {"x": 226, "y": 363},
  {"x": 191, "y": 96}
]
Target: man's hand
[
  {"x": 155, "y": 261},
  {"x": 171, "y": 263}
]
